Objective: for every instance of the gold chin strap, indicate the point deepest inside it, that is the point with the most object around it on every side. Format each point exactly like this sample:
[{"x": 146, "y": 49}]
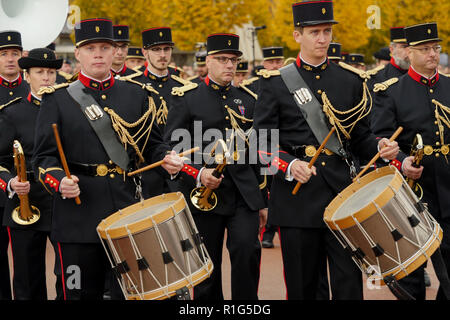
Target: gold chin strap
[
  {"x": 121, "y": 127},
  {"x": 441, "y": 120},
  {"x": 360, "y": 111}
]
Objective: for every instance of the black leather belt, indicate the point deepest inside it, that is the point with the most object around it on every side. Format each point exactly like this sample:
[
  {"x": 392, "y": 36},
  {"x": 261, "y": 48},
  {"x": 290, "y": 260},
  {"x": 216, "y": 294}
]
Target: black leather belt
[
  {"x": 306, "y": 151},
  {"x": 95, "y": 170}
]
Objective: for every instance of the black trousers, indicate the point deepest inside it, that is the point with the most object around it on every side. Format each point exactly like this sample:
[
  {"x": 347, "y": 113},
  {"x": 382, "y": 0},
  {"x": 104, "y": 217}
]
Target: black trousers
[
  {"x": 28, "y": 249},
  {"x": 269, "y": 232},
  {"x": 304, "y": 252},
  {"x": 5, "y": 281},
  {"x": 83, "y": 272},
  {"x": 244, "y": 249}
]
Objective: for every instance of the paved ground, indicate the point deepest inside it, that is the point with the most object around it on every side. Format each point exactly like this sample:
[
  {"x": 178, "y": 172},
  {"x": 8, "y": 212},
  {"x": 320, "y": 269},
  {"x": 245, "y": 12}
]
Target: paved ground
[{"x": 271, "y": 285}]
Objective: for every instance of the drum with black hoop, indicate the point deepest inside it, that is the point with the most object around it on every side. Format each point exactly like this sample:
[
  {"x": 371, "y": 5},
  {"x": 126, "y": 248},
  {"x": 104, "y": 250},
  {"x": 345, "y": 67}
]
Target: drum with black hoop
[
  {"x": 155, "y": 248},
  {"x": 388, "y": 230}
]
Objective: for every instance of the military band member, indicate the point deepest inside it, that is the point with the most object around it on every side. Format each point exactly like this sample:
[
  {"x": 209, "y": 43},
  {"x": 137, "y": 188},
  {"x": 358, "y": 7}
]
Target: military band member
[
  {"x": 334, "y": 52},
  {"x": 382, "y": 56},
  {"x": 122, "y": 40},
  {"x": 135, "y": 58},
  {"x": 418, "y": 101},
  {"x": 399, "y": 61},
  {"x": 200, "y": 67},
  {"x": 241, "y": 73},
  {"x": 273, "y": 58},
  {"x": 216, "y": 105},
  {"x": 98, "y": 164},
  {"x": 17, "y": 122},
  {"x": 356, "y": 60},
  {"x": 12, "y": 87},
  {"x": 305, "y": 241}
]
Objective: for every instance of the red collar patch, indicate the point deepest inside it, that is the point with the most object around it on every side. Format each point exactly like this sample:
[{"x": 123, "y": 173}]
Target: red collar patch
[
  {"x": 94, "y": 84},
  {"x": 423, "y": 80}
]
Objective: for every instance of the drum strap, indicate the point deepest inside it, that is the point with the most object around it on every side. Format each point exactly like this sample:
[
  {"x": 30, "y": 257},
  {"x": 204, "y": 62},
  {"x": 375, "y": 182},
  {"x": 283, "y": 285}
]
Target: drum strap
[
  {"x": 397, "y": 290},
  {"x": 442, "y": 274}
]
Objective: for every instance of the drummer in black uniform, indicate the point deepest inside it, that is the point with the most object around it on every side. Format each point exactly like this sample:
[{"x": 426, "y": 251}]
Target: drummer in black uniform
[
  {"x": 219, "y": 107},
  {"x": 305, "y": 240},
  {"x": 17, "y": 122},
  {"x": 419, "y": 101},
  {"x": 97, "y": 158},
  {"x": 122, "y": 40},
  {"x": 12, "y": 86}
]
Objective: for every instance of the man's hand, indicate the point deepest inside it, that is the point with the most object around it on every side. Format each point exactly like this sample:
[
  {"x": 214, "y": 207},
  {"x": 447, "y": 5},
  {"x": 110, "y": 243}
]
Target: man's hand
[
  {"x": 388, "y": 150},
  {"x": 173, "y": 163},
  {"x": 208, "y": 180},
  {"x": 69, "y": 187},
  {"x": 21, "y": 188},
  {"x": 409, "y": 170},
  {"x": 301, "y": 172},
  {"x": 262, "y": 218}
]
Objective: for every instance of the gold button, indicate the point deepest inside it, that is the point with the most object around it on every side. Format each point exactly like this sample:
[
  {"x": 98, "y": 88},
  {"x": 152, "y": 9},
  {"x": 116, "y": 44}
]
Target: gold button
[
  {"x": 317, "y": 77},
  {"x": 431, "y": 91},
  {"x": 437, "y": 133},
  {"x": 110, "y": 162},
  {"x": 161, "y": 98},
  {"x": 11, "y": 93},
  {"x": 226, "y": 129},
  {"x": 103, "y": 97},
  {"x": 112, "y": 176},
  {"x": 319, "y": 91},
  {"x": 437, "y": 155},
  {"x": 435, "y": 122},
  {"x": 323, "y": 164},
  {"x": 226, "y": 107},
  {"x": 227, "y": 118},
  {"x": 160, "y": 85},
  {"x": 224, "y": 97},
  {"x": 438, "y": 143}
]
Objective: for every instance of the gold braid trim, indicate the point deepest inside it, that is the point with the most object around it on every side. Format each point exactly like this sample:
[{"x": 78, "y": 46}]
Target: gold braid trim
[
  {"x": 10, "y": 103},
  {"x": 360, "y": 111},
  {"x": 161, "y": 115},
  {"x": 51, "y": 89},
  {"x": 121, "y": 126},
  {"x": 237, "y": 128},
  {"x": 383, "y": 86},
  {"x": 3, "y": 169},
  {"x": 146, "y": 86}
]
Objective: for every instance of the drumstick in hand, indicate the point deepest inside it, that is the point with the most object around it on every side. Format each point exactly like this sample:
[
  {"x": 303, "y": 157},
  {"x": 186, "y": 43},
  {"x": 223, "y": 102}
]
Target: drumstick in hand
[
  {"x": 374, "y": 159},
  {"x": 63, "y": 157},
  {"x": 316, "y": 155},
  {"x": 159, "y": 163}
]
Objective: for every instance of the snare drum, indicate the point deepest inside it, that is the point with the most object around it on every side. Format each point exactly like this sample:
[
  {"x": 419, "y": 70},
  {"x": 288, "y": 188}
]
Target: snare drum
[
  {"x": 387, "y": 229},
  {"x": 154, "y": 248}
]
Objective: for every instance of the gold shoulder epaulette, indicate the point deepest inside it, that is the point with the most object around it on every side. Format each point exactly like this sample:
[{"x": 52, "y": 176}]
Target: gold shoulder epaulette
[
  {"x": 65, "y": 75},
  {"x": 51, "y": 89},
  {"x": 247, "y": 82},
  {"x": 267, "y": 74},
  {"x": 133, "y": 75},
  {"x": 374, "y": 71},
  {"x": 10, "y": 103},
  {"x": 359, "y": 72},
  {"x": 187, "y": 86},
  {"x": 384, "y": 85},
  {"x": 144, "y": 86},
  {"x": 445, "y": 75}
]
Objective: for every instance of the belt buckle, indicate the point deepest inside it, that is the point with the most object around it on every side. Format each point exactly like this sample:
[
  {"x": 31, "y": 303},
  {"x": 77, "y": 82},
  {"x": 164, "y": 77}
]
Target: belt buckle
[
  {"x": 102, "y": 170},
  {"x": 310, "y": 151}
]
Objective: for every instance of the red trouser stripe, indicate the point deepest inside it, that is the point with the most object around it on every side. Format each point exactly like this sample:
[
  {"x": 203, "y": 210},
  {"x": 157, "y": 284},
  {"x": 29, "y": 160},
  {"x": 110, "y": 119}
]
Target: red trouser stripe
[{"x": 62, "y": 271}]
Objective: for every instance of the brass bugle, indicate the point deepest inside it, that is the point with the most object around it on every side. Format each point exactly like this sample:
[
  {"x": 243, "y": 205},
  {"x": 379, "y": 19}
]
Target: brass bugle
[
  {"x": 24, "y": 214},
  {"x": 203, "y": 198}
]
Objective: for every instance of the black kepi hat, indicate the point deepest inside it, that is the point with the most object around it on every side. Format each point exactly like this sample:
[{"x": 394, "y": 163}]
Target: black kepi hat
[
  {"x": 223, "y": 42},
  {"x": 156, "y": 36},
  {"x": 421, "y": 33},
  {"x": 121, "y": 33},
  {"x": 312, "y": 13},
  {"x": 273, "y": 53},
  {"x": 383, "y": 54},
  {"x": 398, "y": 35},
  {"x": 93, "y": 30},
  {"x": 242, "y": 67},
  {"x": 200, "y": 58},
  {"x": 10, "y": 40},
  {"x": 135, "y": 53},
  {"x": 40, "y": 58},
  {"x": 334, "y": 51},
  {"x": 355, "y": 58}
]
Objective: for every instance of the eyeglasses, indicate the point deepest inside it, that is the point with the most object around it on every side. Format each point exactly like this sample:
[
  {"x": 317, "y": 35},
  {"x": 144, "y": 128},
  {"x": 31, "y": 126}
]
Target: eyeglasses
[
  {"x": 224, "y": 60},
  {"x": 159, "y": 49},
  {"x": 427, "y": 50}
]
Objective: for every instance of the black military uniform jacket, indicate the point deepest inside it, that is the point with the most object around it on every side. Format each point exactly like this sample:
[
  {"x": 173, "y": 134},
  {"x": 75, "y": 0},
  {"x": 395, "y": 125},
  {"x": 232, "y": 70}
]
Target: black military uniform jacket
[
  {"x": 409, "y": 103},
  {"x": 391, "y": 70},
  {"x": 276, "y": 109},
  {"x": 101, "y": 195},
  {"x": 123, "y": 72},
  {"x": 8, "y": 92},
  {"x": 207, "y": 106},
  {"x": 17, "y": 122}
]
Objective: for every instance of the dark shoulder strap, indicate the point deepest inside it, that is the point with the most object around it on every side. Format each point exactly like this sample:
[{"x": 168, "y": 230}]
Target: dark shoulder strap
[
  {"x": 310, "y": 107},
  {"x": 101, "y": 123}
]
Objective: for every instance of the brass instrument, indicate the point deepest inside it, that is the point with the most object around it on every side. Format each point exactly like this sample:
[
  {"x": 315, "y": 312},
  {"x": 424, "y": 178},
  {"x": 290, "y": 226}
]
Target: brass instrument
[
  {"x": 204, "y": 198},
  {"x": 417, "y": 153},
  {"x": 25, "y": 214}
]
